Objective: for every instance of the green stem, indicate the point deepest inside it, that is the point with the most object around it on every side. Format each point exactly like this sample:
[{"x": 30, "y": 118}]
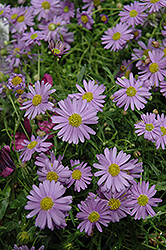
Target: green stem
[{"x": 58, "y": 75}]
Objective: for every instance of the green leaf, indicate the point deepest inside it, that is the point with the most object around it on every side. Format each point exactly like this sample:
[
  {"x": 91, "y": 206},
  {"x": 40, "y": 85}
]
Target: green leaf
[{"x": 4, "y": 203}]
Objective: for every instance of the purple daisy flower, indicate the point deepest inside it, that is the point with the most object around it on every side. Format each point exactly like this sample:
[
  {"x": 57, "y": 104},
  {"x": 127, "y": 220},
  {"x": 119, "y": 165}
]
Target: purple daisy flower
[
  {"x": 34, "y": 36},
  {"x": 93, "y": 213},
  {"x": 80, "y": 175},
  {"x": 26, "y": 248},
  {"x": 35, "y": 145},
  {"x": 117, "y": 204},
  {"x": 72, "y": 118},
  {"x": 91, "y": 4},
  {"x": 14, "y": 14},
  {"x": 161, "y": 140},
  {"x": 133, "y": 14},
  {"x": 137, "y": 34},
  {"x": 104, "y": 18},
  {"x": 142, "y": 201},
  {"x": 117, "y": 37},
  {"x": 155, "y": 71},
  {"x": 66, "y": 10},
  {"x": 45, "y": 9},
  {"x": 58, "y": 49},
  {"x": 47, "y": 203},
  {"x": 92, "y": 94},
  {"x": 17, "y": 83},
  {"x": 4, "y": 10},
  {"x": 66, "y": 37},
  {"x": 38, "y": 102},
  {"x": 132, "y": 93},
  {"x": 138, "y": 53},
  {"x": 149, "y": 126},
  {"x": 163, "y": 32},
  {"x": 153, "y": 5},
  {"x": 54, "y": 171},
  {"x": 85, "y": 19},
  {"x": 114, "y": 170},
  {"x": 162, "y": 86}
]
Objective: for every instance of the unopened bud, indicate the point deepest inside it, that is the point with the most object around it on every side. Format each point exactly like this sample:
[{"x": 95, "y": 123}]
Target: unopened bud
[
  {"x": 148, "y": 35},
  {"x": 41, "y": 133},
  {"x": 118, "y": 5},
  {"x": 155, "y": 44},
  {"x": 111, "y": 97},
  {"x": 39, "y": 117},
  {"x": 155, "y": 111},
  {"x": 137, "y": 154},
  {"x": 122, "y": 68},
  {"x": 147, "y": 61},
  {"x": 23, "y": 237},
  {"x": 36, "y": 77},
  {"x": 143, "y": 58}
]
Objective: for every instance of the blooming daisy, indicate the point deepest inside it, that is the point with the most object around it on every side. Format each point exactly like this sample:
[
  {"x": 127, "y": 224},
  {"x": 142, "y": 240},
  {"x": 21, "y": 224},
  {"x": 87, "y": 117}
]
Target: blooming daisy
[
  {"x": 80, "y": 175},
  {"x": 133, "y": 14},
  {"x": 66, "y": 10},
  {"x": 38, "y": 102},
  {"x": 132, "y": 93},
  {"x": 17, "y": 83},
  {"x": 114, "y": 170},
  {"x": 47, "y": 203},
  {"x": 142, "y": 201},
  {"x": 162, "y": 86},
  {"x": 104, "y": 18},
  {"x": 72, "y": 119},
  {"x": 117, "y": 37},
  {"x": 93, "y": 213},
  {"x": 92, "y": 94},
  {"x": 155, "y": 71},
  {"x": 85, "y": 19},
  {"x": 26, "y": 248},
  {"x": 34, "y": 36},
  {"x": 153, "y": 5},
  {"x": 4, "y": 10},
  {"x": 35, "y": 145},
  {"x": 54, "y": 171},
  {"x": 45, "y": 9},
  {"x": 149, "y": 126},
  {"x": 117, "y": 204},
  {"x": 161, "y": 140}
]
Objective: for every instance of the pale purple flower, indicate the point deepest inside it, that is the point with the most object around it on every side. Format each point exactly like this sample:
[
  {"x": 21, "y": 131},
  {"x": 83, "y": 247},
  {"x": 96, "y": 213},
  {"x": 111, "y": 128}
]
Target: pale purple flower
[
  {"x": 155, "y": 70},
  {"x": 66, "y": 37},
  {"x": 138, "y": 53},
  {"x": 161, "y": 140},
  {"x": 104, "y": 18},
  {"x": 153, "y": 5},
  {"x": 72, "y": 119},
  {"x": 26, "y": 248},
  {"x": 34, "y": 145},
  {"x": 92, "y": 94},
  {"x": 91, "y": 4},
  {"x": 54, "y": 171},
  {"x": 142, "y": 201},
  {"x": 4, "y": 10},
  {"x": 162, "y": 86},
  {"x": 38, "y": 102},
  {"x": 47, "y": 203},
  {"x": 80, "y": 175},
  {"x": 163, "y": 32},
  {"x": 34, "y": 36},
  {"x": 149, "y": 126},
  {"x": 117, "y": 204},
  {"x": 66, "y": 10},
  {"x": 93, "y": 213},
  {"x": 132, "y": 93},
  {"x": 137, "y": 34},
  {"x": 45, "y": 9},
  {"x": 14, "y": 14},
  {"x": 85, "y": 19},
  {"x": 16, "y": 82},
  {"x": 117, "y": 37},
  {"x": 133, "y": 14},
  {"x": 113, "y": 170}
]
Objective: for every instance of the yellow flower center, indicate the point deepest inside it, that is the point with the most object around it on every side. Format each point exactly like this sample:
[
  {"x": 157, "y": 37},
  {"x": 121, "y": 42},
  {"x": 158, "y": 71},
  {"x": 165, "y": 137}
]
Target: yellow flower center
[
  {"x": 16, "y": 80},
  {"x": 32, "y": 144},
  {"x": 114, "y": 169},
  {"x": 1, "y": 12},
  {"x": 20, "y": 19},
  {"x": 52, "y": 176},
  {"x": 56, "y": 51},
  {"x": 51, "y": 26},
  {"x": 131, "y": 91},
  {"x": 45, "y": 5},
  {"x": 154, "y": 1},
  {"x": 88, "y": 96},
  {"x": 164, "y": 50},
  {"x": 96, "y": 2},
  {"x": 163, "y": 130},
  {"x": 37, "y": 99},
  {"x": 66, "y": 9},
  {"x": 114, "y": 204},
  {"x": 16, "y": 50},
  {"x": 14, "y": 16},
  {"x": 103, "y": 18},
  {"x": 76, "y": 174},
  {"x": 145, "y": 53},
  {"x": 153, "y": 67},
  {"x": 75, "y": 120},
  {"x": 20, "y": 91},
  {"x": 33, "y": 36},
  {"x": 46, "y": 203},
  {"x": 142, "y": 200},
  {"x": 116, "y": 36},
  {"x": 94, "y": 216},
  {"x": 84, "y": 19},
  {"x": 149, "y": 127},
  {"x": 133, "y": 13}
]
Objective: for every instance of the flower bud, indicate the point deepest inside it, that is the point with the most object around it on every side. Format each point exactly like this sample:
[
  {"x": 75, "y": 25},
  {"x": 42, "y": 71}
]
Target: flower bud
[
  {"x": 137, "y": 154},
  {"x": 155, "y": 111},
  {"x": 155, "y": 44},
  {"x": 23, "y": 237}
]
